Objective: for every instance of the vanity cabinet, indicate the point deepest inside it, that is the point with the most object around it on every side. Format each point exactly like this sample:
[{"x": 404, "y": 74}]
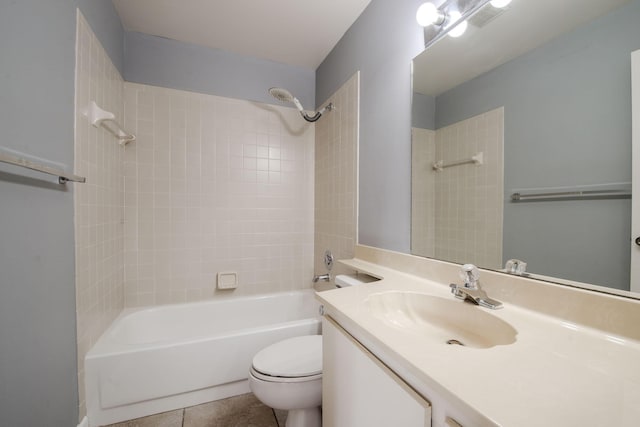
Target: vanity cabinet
[{"x": 360, "y": 391}]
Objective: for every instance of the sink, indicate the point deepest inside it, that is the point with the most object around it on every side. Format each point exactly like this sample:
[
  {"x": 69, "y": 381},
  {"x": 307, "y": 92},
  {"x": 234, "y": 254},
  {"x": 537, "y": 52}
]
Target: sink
[{"x": 442, "y": 320}]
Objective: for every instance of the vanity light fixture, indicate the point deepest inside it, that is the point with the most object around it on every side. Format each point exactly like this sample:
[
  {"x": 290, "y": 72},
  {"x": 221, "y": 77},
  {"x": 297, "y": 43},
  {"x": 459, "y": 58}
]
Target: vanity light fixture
[
  {"x": 459, "y": 29},
  {"x": 500, "y": 3},
  {"x": 428, "y": 14},
  {"x": 449, "y": 18}
]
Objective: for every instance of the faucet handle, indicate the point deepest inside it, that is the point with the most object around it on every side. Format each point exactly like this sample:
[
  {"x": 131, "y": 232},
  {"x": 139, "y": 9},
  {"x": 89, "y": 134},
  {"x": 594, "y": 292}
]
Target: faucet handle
[
  {"x": 515, "y": 266},
  {"x": 470, "y": 274}
]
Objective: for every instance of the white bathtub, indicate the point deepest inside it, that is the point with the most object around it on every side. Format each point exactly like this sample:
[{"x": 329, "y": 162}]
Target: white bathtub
[{"x": 157, "y": 359}]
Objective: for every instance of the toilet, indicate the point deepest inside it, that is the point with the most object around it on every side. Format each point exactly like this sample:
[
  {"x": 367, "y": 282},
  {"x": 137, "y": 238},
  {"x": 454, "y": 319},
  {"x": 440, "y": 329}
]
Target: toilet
[{"x": 287, "y": 375}]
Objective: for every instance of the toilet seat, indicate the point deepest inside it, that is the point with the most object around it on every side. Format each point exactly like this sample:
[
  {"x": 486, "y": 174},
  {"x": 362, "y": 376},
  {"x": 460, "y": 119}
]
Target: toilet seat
[
  {"x": 269, "y": 378},
  {"x": 292, "y": 360}
]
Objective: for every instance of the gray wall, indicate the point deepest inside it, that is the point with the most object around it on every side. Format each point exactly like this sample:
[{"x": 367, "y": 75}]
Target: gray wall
[
  {"x": 38, "y": 380},
  {"x": 381, "y": 44},
  {"x": 567, "y": 122},
  {"x": 170, "y": 63},
  {"x": 423, "y": 111},
  {"x": 105, "y": 23}
]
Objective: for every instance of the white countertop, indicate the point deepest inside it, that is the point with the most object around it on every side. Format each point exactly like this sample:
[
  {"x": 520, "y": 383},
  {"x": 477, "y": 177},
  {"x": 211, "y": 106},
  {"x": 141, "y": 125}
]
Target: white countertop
[{"x": 557, "y": 373}]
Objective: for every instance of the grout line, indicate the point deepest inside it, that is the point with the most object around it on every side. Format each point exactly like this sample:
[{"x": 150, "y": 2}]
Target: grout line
[{"x": 184, "y": 410}]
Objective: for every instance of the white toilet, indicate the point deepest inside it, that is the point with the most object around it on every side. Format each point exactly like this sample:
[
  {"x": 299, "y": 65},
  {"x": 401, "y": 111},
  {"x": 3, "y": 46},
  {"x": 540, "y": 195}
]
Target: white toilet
[{"x": 287, "y": 375}]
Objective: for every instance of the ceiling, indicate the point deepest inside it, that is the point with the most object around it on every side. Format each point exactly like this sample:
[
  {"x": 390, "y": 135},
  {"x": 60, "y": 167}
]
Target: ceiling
[
  {"x": 294, "y": 32},
  {"x": 524, "y": 26}
]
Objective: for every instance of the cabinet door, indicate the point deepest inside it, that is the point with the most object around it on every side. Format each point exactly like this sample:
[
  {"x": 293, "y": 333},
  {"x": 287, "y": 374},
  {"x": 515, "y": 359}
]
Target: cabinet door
[{"x": 360, "y": 391}]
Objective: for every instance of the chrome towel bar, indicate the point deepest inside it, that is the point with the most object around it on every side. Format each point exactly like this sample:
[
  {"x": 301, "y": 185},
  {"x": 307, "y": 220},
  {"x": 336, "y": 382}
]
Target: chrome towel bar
[
  {"x": 63, "y": 177},
  {"x": 477, "y": 159},
  {"x": 602, "y": 191}
]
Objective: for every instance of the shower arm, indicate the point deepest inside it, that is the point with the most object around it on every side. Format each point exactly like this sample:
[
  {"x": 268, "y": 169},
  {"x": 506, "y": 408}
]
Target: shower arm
[{"x": 316, "y": 115}]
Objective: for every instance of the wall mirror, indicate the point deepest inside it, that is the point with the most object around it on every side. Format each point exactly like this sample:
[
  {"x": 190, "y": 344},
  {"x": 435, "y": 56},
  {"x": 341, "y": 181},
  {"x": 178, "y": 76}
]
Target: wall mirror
[{"x": 521, "y": 141}]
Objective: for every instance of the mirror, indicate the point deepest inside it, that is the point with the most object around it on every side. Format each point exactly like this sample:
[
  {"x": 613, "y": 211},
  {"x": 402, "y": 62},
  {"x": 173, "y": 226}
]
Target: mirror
[{"x": 533, "y": 100}]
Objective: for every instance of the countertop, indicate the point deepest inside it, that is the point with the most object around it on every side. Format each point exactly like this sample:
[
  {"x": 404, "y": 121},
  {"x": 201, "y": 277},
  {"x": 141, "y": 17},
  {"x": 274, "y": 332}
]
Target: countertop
[{"x": 557, "y": 373}]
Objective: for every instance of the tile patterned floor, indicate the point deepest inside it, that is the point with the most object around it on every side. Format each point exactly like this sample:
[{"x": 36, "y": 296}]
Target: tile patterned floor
[{"x": 239, "y": 411}]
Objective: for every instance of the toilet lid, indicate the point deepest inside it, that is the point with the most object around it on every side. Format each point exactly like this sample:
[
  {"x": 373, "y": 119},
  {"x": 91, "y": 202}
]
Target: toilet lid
[{"x": 293, "y": 357}]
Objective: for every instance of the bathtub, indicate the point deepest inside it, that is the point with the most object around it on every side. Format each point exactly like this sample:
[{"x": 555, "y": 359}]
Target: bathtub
[{"x": 157, "y": 359}]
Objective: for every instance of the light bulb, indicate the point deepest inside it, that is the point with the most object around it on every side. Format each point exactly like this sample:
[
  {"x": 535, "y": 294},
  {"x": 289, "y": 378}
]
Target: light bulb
[
  {"x": 459, "y": 29},
  {"x": 500, "y": 3},
  {"x": 428, "y": 14}
]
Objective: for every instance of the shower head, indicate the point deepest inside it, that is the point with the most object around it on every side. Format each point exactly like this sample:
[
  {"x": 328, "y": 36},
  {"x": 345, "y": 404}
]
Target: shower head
[
  {"x": 281, "y": 95},
  {"x": 284, "y": 95}
]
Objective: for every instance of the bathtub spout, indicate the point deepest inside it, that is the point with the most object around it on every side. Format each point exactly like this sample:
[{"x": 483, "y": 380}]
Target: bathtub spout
[{"x": 323, "y": 277}]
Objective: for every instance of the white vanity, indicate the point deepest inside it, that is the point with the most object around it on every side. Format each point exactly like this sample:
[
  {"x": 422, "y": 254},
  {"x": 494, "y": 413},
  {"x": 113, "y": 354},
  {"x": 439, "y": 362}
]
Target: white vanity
[{"x": 552, "y": 356}]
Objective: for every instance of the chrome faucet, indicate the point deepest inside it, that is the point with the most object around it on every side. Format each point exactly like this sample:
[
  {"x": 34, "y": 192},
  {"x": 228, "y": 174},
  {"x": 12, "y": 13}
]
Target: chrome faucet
[
  {"x": 324, "y": 277},
  {"x": 471, "y": 290}
]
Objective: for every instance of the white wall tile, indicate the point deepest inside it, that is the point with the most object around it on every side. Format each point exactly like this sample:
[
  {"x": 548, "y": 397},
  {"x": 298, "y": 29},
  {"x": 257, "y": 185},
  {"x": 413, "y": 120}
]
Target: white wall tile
[
  {"x": 335, "y": 175},
  {"x": 218, "y": 198},
  {"x": 100, "y": 217},
  {"x": 457, "y": 213},
  {"x": 423, "y": 192}
]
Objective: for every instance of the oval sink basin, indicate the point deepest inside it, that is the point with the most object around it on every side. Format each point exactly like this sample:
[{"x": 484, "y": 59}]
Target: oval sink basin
[{"x": 445, "y": 321}]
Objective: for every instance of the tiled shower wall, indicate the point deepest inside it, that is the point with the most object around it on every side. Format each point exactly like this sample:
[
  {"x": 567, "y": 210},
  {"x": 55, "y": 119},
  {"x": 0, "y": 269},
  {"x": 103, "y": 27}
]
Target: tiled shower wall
[
  {"x": 423, "y": 189},
  {"x": 336, "y": 175},
  {"x": 211, "y": 185},
  {"x": 215, "y": 185},
  {"x": 99, "y": 203},
  {"x": 467, "y": 208}
]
